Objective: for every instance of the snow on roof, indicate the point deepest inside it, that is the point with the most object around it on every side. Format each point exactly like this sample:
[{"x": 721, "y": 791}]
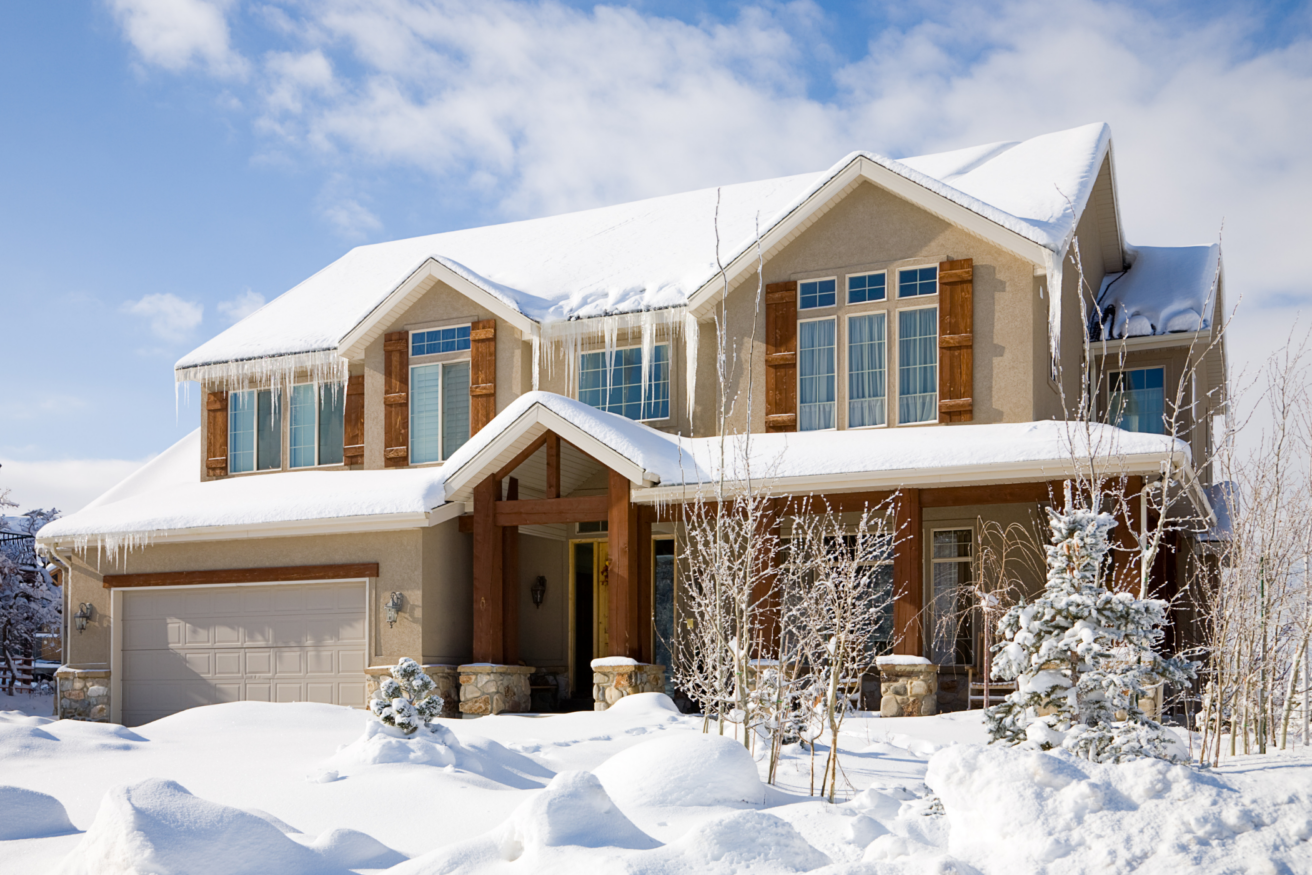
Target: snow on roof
[
  {"x": 1165, "y": 290},
  {"x": 654, "y": 253}
]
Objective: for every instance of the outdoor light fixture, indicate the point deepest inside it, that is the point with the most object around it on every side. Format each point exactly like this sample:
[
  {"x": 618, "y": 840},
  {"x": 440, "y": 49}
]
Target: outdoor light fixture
[
  {"x": 83, "y": 614},
  {"x": 539, "y": 591},
  {"x": 394, "y": 605}
]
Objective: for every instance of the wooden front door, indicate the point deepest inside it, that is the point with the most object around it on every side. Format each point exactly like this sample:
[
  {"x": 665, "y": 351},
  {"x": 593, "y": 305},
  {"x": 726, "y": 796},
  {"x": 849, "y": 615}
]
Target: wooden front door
[{"x": 590, "y": 615}]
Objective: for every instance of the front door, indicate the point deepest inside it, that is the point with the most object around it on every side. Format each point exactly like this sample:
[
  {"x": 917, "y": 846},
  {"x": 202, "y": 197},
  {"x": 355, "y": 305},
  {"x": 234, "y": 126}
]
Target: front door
[{"x": 590, "y": 567}]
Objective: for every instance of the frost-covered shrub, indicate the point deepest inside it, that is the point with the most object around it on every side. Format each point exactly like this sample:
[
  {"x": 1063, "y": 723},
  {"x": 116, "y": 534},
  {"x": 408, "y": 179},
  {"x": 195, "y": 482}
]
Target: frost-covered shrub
[
  {"x": 407, "y": 700},
  {"x": 1083, "y": 656}
]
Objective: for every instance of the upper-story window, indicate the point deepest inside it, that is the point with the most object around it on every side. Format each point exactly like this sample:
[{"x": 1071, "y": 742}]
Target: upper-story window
[
  {"x": 813, "y": 294},
  {"x": 315, "y": 430},
  {"x": 867, "y": 384},
  {"x": 1137, "y": 400},
  {"x": 254, "y": 430},
  {"x": 439, "y": 410},
  {"x": 917, "y": 281},
  {"x": 440, "y": 340},
  {"x": 816, "y": 375},
  {"x": 612, "y": 381},
  {"x": 867, "y": 287},
  {"x": 917, "y": 365}
]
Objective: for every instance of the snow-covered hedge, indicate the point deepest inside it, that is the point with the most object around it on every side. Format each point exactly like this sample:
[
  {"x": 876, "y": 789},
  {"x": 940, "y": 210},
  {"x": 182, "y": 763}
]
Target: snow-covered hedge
[{"x": 408, "y": 699}]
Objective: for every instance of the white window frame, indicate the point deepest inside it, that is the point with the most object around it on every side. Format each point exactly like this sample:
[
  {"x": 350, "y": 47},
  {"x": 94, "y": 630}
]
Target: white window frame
[
  {"x": 255, "y": 404},
  {"x": 318, "y": 403},
  {"x": 970, "y": 560},
  {"x": 838, "y": 344},
  {"x": 938, "y": 363},
  {"x": 847, "y": 368},
  {"x": 847, "y": 292},
  {"x": 669, "y": 364},
  {"x": 818, "y": 279},
  {"x": 897, "y": 292}
]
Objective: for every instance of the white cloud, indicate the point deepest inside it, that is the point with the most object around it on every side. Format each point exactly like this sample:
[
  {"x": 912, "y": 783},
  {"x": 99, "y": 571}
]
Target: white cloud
[
  {"x": 171, "y": 318},
  {"x": 352, "y": 219},
  {"x": 241, "y": 306},
  {"x": 177, "y": 34},
  {"x": 68, "y": 485}
]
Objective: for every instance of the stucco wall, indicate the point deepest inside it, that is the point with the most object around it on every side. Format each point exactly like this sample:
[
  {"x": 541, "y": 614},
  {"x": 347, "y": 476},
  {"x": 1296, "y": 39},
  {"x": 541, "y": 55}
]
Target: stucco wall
[
  {"x": 448, "y": 607},
  {"x": 544, "y": 631}
]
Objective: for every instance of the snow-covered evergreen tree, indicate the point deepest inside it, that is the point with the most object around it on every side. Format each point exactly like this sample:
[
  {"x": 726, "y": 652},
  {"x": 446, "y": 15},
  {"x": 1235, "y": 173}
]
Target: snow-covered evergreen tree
[
  {"x": 29, "y": 599},
  {"x": 1083, "y": 656},
  {"x": 408, "y": 699}
]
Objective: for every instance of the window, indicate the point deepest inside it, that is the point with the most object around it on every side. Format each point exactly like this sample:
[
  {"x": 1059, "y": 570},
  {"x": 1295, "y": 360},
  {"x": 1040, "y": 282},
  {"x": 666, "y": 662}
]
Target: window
[
  {"x": 917, "y": 281},
  {"x": 618, "y": 389},
  {"x": 317, "y": 420},
  {"x": 817, "y": 293},
  {"x": 866, "y": 375},
  {"x": 953, "y": 638},
  {"x": 881, "y": 593},
  {"x": 663, "y": 595},
  {"x": 1137, "y": 400},
  {"x": 254, "y": 430},
  {"x": 815, "y": 356},
  {"x": 439, "y": 340},
  {"x": 917, "y": 365},
  {"x": 867, "y": 287},
  {"x": 439, "y": 410}
]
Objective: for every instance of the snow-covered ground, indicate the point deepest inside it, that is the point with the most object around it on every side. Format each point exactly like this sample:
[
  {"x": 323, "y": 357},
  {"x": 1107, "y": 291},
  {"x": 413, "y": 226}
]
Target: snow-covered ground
[{"x": 263, "y": 788}]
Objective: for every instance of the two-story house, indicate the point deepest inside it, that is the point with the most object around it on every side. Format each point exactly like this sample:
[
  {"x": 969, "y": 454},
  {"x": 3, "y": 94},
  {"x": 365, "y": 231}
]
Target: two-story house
[{"x": 465, "y": 448}]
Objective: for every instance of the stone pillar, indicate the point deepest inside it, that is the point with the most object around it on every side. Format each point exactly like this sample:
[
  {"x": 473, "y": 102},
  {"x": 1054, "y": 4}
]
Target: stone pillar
[
  {"x": 908, "y": 686},
  {"x": 83, "y": 694},
  {"x": 615, "y": 677},
  {"x": 486, "y": 688},
  {"x": 446, "y": 677}
]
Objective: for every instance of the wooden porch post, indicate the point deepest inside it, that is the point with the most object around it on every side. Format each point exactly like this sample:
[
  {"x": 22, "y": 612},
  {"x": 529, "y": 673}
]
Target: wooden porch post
[
  {"x": 1125, "y": 559},
  {"x": 908, "y": 564},
  {"x": 489, "y": 644},
  {"x": 622, "y": 533},
  {"x": 763, "y": 587},
  {"x": 510, "y": 582}
]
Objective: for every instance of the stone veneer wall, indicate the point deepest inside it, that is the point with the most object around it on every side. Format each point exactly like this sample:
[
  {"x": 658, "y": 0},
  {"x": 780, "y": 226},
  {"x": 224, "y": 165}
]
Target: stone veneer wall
[
  {"x": 610, "y": 683},
  {"x": 83, "y": 694},
  {"x": 447, "y": 678},
  {"x": 908, "y": 690},
  {"x": 494, "y": 689}
]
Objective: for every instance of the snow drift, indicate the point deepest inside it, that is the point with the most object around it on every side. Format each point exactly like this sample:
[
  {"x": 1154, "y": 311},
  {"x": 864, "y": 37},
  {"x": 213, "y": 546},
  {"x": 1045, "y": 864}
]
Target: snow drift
[
  {"x": 27, "y": 814},
  {"x": 682, "y": 770}
]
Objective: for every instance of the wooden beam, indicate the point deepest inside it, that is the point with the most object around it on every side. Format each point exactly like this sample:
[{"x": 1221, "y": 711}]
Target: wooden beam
[
  {"x": 465, "y": 524},
  {"x": 622, "y": 532},
  {"x": 543, "y": 511},
  {"x": 1125, "y": 556},
  {"x": 908, "y": 571},
  {"x": 646, "y": 619},
  {"x": 553, "y": 465},
  {"x": 510, "y": 582},
  {"x": 522, "y": 457},
  {"x": 1005, "y": 493},
  {"x": 284, "y": 574},
  {"x": 488, "y": 640}
]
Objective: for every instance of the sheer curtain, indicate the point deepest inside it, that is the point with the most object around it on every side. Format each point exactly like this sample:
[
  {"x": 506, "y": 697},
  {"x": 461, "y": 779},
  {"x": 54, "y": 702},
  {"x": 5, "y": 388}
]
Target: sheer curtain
[
  {"x": 815, "y": 353},
  {"x": 425, "y": 413},
  {"x": 866, "y": 375},
  {"x": 455, "y": 407},
  {"x": 302, "y": 438},
  {"x": 917, "y": 351}
]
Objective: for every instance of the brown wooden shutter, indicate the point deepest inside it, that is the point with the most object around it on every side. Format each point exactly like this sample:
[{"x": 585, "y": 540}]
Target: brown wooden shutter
[
  {"x": 216, "y": 434},
  {"x": 353, "y": 424},
  {"x": 482, "y": 374},
  {"x": 396, "y": 399},
  {"x": 781, "y": 356},
  {"x": 956, "y": 340}
]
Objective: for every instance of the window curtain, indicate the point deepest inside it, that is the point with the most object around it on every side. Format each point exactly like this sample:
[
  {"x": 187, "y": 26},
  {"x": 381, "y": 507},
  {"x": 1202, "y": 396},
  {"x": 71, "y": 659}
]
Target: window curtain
[
  {"x": 455, "y": 407},
  {"x": 917, "y": 350},
  {"x": 815, "y": 355},
  {"x": 425, "y": 413},
  {"x": 302, "y": 437},
  {"x": 332, "y": 420},
  {"x": 268, "y": 430},
  {"x": 1138, "y": 400},
  {"x": 866, "y": 376},
  {"x": 241, "y": 432}
]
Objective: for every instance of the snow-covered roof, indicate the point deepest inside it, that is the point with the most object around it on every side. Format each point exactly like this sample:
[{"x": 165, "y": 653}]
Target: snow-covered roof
[
  {"x": 655, "y": 253},
  {"x": 1167, "y": 289}
]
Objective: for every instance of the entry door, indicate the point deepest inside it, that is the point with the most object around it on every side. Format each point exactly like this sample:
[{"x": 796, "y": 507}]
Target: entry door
[{"x": 590, "y": 573}]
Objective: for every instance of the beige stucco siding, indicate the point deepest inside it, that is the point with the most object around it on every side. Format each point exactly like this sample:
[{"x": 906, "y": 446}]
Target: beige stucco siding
[
  {"x": 447, "y": 606},
  {"x": 544, "y": 631}
]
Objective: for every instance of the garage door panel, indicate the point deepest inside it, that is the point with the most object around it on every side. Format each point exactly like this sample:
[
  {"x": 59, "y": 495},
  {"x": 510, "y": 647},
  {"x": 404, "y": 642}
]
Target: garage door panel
[
  {"x": 227, "y": 663},
  {"x": 258, "y": 692},
  {"x": 351, "y": 694},
  {"x": 289, "y": 601},
  {"x": 350, "y": 662},
  {"x": 228, "y": 692},
  {"x": 259, "y": 663},
  {"x": 227, "y": 632},
  {"x": 320, "y": 662},
  {"x": 288, "y": 692},
  {"x": 324, "y": 693},
  {"x": 200, "y": 662},
  {"x": 288, "y": 662},
  {"x": 289, "y": 631}
]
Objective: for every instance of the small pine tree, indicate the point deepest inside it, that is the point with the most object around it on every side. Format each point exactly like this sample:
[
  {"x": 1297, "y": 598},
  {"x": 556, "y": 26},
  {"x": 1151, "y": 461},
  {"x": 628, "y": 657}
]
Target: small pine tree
[
  {"x": 1083, "y": 656},
  {"x": 407, "y": 700}
]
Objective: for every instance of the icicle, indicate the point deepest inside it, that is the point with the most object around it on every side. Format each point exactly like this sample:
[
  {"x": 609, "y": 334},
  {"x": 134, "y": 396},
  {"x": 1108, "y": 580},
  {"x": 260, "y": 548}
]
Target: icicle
[
  {"x": 648, "y": 350},
  {"x": 537, "y": 357},
  {"x": 690, "y": 340},
  {"x": 1052, "y": 264},
  {"x": 268, "y": 372}
]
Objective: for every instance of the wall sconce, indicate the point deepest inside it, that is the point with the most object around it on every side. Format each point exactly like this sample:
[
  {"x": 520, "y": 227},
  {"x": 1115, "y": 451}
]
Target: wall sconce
[
  {"x": 538, "y": 590},
  {"x": 394, "y": 605},
  {"x": 83, "y": 614}
]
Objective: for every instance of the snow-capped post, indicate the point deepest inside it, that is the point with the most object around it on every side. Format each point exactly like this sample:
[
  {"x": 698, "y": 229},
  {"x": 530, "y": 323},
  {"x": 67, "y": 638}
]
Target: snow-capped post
[{"x": 407, "y": 700}]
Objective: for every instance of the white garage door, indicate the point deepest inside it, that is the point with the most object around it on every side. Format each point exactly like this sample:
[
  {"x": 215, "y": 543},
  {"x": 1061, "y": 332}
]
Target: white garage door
[{"x": 283, "y": 642}]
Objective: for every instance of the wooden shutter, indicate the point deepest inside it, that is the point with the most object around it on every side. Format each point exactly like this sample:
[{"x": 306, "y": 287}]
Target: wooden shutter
[
  {"x": 482, "y": 374},
  {"x": 956, "y": 340},
  {"x": 353, "y": 424},
  {"x": 396, "y": 399},
  {"x": 781, "y": 357},
  {"x": 216, "y": 434}
]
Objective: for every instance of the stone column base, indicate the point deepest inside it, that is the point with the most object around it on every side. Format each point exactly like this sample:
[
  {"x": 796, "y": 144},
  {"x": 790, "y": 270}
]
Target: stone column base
[
  {"x": 446, "y": 677},
  {"x": 612, "y": 682},
  {"x": 907, "y": 689},
  {"x": 83, "y": 694},
  {"x": 494, "y": 689}
]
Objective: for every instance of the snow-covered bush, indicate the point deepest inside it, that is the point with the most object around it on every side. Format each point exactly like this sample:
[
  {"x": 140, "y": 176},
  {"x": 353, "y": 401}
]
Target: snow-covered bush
[
  {"x": 1083, "y": 656},
  {"x": 407, "y": 700}
]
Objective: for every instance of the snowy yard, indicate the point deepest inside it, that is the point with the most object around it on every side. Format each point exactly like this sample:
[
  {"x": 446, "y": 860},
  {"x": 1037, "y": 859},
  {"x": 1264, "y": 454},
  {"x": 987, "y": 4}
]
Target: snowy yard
[{"x": 278, "y": 788}]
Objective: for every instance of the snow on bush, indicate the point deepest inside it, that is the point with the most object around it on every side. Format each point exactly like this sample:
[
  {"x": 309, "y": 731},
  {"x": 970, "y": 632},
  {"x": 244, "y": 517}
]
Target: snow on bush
[
  {"x": 1083, "y": 656},
  {"x": 408, "y": 699},
  {"x": 27, "y": 814},
  {"x": 683, "y": 769}
]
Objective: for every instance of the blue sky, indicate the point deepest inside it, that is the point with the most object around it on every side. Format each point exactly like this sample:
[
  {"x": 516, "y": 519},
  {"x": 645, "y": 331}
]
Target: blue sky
[{"x": 168, "y": 163}]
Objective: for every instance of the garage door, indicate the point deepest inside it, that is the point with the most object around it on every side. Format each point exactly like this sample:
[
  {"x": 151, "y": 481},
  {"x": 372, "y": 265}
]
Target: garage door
[{"x": 277, "y": 643}]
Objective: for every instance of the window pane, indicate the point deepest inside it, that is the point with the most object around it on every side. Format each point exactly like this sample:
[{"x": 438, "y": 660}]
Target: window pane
[
  {"x": 817, "y": 293},
  {"x": 917, "y": 379},
  {"x": 241, "y": 432},
  {"x": 592, "y": 379},
  {"x": 1137, "y": 400},
  {"x": 953, "y": 636},
  {"x": 455, "y": 407},
  {"x": 917, "y": 281},
  {"x": 866, "y": 375},
  {"x": 658, "y": 392},
  {"x": 425, "y": 413},
  {"x": 867, "y": 287},
  {"x": 619, "y": 389},
  {"x": 302, "y": 438},
  {"x": 439, "y": 340},
  {"x": 881, "y": 581},
  {"x": 268, "y": 430},
  {"x": 332, "y": 419},
  {"x": 663, "y": 601},
  {"x": 815, "y": 355}
]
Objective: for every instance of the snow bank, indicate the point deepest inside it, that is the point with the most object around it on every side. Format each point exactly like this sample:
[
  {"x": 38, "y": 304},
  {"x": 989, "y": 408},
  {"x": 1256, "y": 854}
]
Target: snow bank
[
  {"x": 158, "y": 827},
  {"x": 681, "y": 770},
  {"x": 27, "y": 814},
  {"x": 657, "y": 706},
  {"x": 352, "y": 849},
  {"x": 745, "y": 841}
]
